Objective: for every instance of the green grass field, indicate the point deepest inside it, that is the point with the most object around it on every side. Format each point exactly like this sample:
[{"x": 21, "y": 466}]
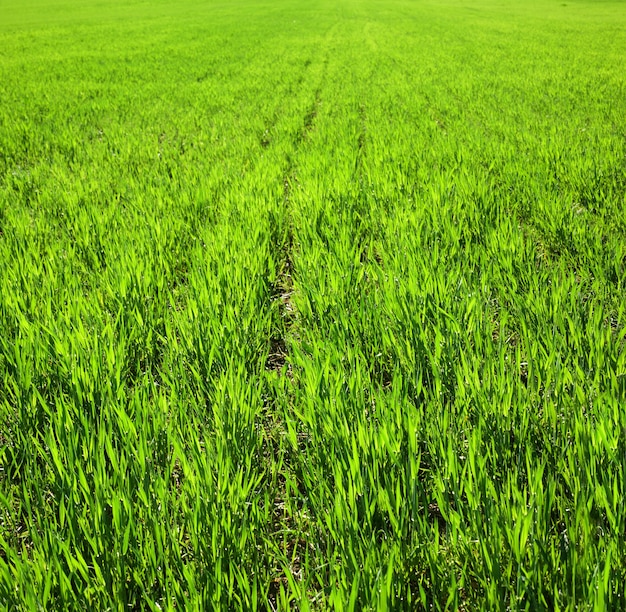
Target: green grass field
[{"x": 312, "y": 305}]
